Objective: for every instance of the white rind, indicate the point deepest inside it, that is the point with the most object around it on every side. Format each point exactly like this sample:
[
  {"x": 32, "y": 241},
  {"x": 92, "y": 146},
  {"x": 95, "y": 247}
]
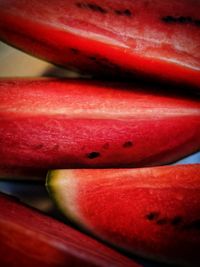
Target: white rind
[{"x": 62, "y": 185}]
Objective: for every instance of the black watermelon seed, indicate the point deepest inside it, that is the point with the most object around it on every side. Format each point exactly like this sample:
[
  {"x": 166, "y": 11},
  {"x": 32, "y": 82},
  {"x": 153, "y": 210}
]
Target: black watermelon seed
[
  {"x": 91, "y": 6},
  {"x": 92, "y": 58},
  {"x": 118, "y": 12},
  {"x": 169, "y": 19},
  {"x": 176, "y": 220},
  {"x": 127, "y": 13},
  {"x": 128, "y": 144},
  {"x": 152, "y": 215},
  {"x": 97, "y": 8},
  {"x": 181, "y": 20},
  {"x": 74, "y": 51},
  {"x": 93, "y": 155}
]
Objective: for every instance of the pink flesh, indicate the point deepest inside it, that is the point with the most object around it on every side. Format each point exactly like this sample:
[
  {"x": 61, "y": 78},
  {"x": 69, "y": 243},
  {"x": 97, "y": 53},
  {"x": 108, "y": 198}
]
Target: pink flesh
[
  {"x": 154, "y": 212},
  {"x": 140, "y": 40},
  {"x": 86, "y": 98},
  {"x": 54, "y": 142},
  {"x": 28, "y": 238},
  {"x": 56, "y": 124}
]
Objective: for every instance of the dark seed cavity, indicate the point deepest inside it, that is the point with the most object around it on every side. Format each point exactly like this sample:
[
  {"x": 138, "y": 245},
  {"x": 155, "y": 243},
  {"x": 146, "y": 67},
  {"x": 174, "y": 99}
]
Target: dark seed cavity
[
  {"x": 152, "y": 215},
  {"x": 180, "y": 20},
  {"x": 125, "y": 12},
  {"x": 92, "y": 7},
  {"x": 176, "y": 220},
  {"x": 118, "y": 12},
  {"x": 168, "y": 19},
  {"x": 92, "y": 58},
  {"x": 97, "y": 8},
  {"x": 93, "y": 155},
  {"x": 184, "y": 19},
  {"x": 74, "y": 51},
  {"x": 128, "y": 144}
]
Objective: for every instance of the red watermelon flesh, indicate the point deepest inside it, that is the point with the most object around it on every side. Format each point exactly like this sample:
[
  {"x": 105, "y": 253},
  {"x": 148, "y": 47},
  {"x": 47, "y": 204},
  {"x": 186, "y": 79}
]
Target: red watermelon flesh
[
  {"x": 29, "y": 238},
  {"x": 153, "y": 212},
  {"x": 50, "y": 123},
  {"x": 154, "y": 38}
]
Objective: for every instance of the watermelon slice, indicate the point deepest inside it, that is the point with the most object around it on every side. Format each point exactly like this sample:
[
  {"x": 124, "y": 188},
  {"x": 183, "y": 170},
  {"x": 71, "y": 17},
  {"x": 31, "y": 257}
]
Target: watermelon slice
[
  {"x": 50, "y": 123},
  {"x": 153, "y": 212},
  {"x": 154, "y": 38},
  {"x": 29, "y": 238}
]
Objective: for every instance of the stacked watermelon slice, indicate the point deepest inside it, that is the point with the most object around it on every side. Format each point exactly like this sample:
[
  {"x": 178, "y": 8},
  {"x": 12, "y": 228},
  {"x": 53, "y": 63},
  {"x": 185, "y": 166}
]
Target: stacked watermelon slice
[{"x": 103, "y": 139}]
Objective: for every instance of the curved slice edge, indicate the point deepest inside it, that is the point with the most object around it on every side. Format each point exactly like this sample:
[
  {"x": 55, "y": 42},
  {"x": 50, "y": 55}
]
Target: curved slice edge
[
  {"x": 51, "y": 242},
  {"x": 65, "y": 185}
]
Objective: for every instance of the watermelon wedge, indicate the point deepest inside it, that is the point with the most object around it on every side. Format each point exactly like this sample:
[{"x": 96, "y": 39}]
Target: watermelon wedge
[
  {"x": 29, "y": 238},
  {"x": 50, "y": 123},
  {"x": 153, "y": 212},
  {"x": 158, "y": 39}
]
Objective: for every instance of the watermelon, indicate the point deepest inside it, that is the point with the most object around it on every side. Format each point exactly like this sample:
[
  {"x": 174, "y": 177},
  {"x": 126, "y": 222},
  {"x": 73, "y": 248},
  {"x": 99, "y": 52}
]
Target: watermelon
[
  {"x": 158, "y": 39},
  {"x": 153, "y": 212},
  {"x": 29, "y": 238},
  {"x": 51, "y": 123}
]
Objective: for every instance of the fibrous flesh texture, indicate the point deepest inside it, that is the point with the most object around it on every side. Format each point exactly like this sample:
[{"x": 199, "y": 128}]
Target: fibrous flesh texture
[
  {"x": 153, "y": 212},
  {"x": 158, "y": 39},
  {"x": 51, "y": 123},
  {"x": 29, "y": 238}
]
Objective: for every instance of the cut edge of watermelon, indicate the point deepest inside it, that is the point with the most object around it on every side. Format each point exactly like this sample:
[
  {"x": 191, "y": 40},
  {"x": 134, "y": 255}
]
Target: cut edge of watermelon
[
  {"x": 60, "y": 192},
  {"x": 62, "y": 185}
]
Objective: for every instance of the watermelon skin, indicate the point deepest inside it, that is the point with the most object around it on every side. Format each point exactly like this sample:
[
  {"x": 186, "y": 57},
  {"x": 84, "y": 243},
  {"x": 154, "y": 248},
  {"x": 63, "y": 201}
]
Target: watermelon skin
[
  {"x": 50, "y": 123},
  {"x": 158, "y": 39},
  {"x": 153, "y": 212},
  {"x": 29, "y": 238}
]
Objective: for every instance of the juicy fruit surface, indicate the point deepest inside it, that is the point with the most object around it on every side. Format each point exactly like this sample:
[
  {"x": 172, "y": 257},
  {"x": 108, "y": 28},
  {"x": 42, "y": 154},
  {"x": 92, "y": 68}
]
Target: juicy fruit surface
[
  {"x": 29, "y": 238},
  {"x": 155, "y": 38},
  {"x": 61, "y": 124},
  {"x": 151, "y": 211}
]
